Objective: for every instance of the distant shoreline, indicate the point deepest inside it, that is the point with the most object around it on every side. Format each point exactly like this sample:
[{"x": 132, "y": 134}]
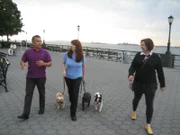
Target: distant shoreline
[{"x": 58, "y": 42}]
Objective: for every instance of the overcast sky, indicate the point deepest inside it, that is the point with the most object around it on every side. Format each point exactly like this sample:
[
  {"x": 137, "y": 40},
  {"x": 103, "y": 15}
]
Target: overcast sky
[{"x": 111, "y": 21}]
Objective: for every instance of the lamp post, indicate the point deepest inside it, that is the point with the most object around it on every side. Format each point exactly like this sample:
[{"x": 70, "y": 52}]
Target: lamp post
[
  {"x": 2, "y": 33},
  {"x": 44, "y": 45},
  {"x": 26, "y": 40},
  {"x": 170, "y": 20},
  {"x": 78, "y": 28}
]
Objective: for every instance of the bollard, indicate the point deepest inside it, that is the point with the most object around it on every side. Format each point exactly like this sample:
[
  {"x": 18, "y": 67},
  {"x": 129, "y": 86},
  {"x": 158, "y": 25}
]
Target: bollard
[{"x": 126, "y": 58}]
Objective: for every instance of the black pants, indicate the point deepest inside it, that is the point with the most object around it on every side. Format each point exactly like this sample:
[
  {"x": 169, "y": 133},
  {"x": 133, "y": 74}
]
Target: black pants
[
  {"x": 149, "y": 91},
  {"x": 30, "y": 85},
  {"x": 73, "y": 90}
]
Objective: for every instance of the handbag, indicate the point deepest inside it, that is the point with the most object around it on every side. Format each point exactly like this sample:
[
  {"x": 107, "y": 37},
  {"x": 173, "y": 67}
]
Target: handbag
[{"x": 145, "y": 60}]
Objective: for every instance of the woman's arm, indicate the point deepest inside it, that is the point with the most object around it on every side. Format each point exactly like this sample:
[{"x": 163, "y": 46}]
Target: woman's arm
[
  {"x": 64, "y": 64},
  {"x": 84, "y": 69},
  {"x": 160, "y": 73},
  {"x": 132, "y": 69},
  {"x": 133, "y": 66},
  {"x": 63, "y": 68}
]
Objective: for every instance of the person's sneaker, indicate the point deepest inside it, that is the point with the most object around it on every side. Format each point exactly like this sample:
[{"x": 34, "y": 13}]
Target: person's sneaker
[
  {"x": 149, "y": 130},
  {"x": 23, "y": 117},
  {"x": 133, "y": 115},
  {"x": 73, "y": 118},
  {"x": 41, "y": 111}
]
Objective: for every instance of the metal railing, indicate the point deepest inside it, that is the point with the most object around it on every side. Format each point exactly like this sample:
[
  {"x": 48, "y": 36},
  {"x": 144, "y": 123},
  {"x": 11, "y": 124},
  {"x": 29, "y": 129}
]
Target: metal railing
[
  {"x": 105, "y": 53},
  {"x": 125, "y": 56},
  {"x": 176, "y": 60}
]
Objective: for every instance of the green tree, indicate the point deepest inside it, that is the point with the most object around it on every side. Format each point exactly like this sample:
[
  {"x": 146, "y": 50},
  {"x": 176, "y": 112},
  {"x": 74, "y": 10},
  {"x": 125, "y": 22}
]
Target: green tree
[{"x": 10, "y": 19}]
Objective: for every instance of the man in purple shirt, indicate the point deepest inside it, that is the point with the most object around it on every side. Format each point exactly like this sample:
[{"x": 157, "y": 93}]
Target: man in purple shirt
[{"x": 38, "y": 59}]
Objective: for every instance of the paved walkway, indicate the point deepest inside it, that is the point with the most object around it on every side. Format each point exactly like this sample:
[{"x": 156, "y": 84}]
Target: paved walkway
[{"x": 107, "y": 77}]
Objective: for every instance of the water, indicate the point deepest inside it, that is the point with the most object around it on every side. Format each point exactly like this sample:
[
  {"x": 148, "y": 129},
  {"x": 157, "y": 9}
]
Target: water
[{"x": 130, "y": 47}]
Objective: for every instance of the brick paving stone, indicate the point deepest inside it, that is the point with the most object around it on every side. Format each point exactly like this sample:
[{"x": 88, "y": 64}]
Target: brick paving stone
[
  {"x": 133, "y": 131},
  {"x": 74, "y": 132},
  {"x": 15, "y": 132},
  {"x": 107, "y": 77},
  {"x": 51, "y": 132},
  {"x": 39, "y": 131}
]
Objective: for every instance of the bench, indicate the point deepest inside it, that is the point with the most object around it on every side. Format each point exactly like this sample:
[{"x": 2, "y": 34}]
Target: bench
[
  {"x": 103, "y": 54},
  {"x": 96, "y": 52},
  {"x": 2, "y": 54},
  {"x": 65, "y": 48},
  {"x": 56, "y": 48},
  {"x": 4, "y": 64},
  {"x": 87, "y": 52},
  {"x": 115, "y": 55},
  {"x": 176, "y": 60}
]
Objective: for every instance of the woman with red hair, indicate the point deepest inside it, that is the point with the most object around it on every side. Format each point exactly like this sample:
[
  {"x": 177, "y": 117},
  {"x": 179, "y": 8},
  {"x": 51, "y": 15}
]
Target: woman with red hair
[{"x": 74, "y": 71}]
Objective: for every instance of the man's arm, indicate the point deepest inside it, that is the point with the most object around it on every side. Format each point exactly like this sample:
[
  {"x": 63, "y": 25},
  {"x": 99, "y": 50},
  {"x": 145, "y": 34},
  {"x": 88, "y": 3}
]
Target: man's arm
[
  {"x": 24, "y": 60},
  {"x": 48, "y": 64},
  {"x": 22, "y": 63}
]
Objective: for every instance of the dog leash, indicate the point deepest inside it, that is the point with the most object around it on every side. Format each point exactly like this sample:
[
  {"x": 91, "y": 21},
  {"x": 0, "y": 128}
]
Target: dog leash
[
  {"x": 64, "y": 85},
  {"x": 83, "y": 84}
]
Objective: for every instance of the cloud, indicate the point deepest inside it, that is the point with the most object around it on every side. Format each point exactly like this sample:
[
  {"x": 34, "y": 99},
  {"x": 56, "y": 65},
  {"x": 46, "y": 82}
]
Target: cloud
[{"x": 111, "y": 21}]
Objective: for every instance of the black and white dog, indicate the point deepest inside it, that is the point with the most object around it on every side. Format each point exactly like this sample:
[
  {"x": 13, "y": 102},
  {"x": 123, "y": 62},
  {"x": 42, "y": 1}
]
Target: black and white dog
[
  {"x": 86, "y": 99},
  {"x": 98, "y": 101}
]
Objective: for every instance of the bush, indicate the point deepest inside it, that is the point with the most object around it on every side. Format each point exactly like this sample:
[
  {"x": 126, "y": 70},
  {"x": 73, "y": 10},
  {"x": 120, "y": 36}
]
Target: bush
[{"x": 6, "y": 44}]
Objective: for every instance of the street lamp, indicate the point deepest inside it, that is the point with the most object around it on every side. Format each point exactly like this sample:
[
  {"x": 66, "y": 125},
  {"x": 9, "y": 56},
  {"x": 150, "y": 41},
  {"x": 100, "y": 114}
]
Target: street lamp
[
  {"x": 44, "y": 45},
  {"x": 78, "y": 28},
  {"x": 2, "y": 33},
  {"x": 170, "y": 20},
  {"x": 26, "y": 40}
]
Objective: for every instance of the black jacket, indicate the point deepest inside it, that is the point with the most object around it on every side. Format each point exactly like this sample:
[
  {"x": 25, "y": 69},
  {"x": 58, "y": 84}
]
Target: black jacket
[{"x": 147, "y": 74}]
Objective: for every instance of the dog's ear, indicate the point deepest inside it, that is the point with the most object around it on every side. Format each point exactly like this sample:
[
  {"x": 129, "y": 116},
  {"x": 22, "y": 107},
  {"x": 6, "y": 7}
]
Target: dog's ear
[
  {"x": 100, "y": 99},
  {"x": 96, "y": 96}
]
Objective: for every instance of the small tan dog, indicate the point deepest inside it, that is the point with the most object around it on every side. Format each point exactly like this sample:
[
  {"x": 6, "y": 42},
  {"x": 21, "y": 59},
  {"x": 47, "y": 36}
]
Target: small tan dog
[{"x": 60, "y": 102}]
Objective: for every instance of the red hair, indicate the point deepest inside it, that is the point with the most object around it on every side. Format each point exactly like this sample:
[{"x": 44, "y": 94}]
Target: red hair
[{"x": 79, "y": 51}]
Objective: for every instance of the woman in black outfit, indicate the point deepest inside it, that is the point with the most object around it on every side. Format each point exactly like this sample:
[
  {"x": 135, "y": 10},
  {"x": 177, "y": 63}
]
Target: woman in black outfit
[{"x": 142, "y": 73}]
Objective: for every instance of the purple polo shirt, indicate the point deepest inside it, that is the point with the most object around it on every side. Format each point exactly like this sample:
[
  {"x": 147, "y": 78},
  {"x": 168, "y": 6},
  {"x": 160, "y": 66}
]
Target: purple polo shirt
[{"x": 31, "y": 56}]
